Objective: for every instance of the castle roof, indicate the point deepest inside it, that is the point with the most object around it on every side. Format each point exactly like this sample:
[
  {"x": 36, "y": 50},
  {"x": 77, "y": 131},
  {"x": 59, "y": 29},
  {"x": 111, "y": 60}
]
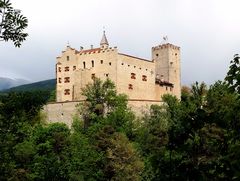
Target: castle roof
[
  {"x": 93, "y": 50},
  {"x": 104, "y": 39},
  {"x": 134, "y": 57}
]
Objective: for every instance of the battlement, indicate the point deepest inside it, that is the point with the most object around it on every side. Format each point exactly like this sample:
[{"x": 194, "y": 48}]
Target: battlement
[{"x": 167, "y": 45}]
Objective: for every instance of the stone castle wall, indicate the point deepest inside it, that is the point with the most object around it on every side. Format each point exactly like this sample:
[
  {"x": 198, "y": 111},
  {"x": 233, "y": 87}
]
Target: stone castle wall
[
  {"x": 143, "y": 81},
  {"x": 65, "y": 111}
]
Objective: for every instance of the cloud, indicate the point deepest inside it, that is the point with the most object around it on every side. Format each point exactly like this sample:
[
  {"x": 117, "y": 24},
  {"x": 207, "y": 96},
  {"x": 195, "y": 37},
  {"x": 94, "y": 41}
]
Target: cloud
[{"x": 207, "y": 32}]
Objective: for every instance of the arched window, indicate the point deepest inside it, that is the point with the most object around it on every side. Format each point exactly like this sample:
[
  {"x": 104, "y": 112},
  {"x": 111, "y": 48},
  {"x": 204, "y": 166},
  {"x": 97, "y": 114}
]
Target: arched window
[
  {"x": 84, "y": 65},
  {"x": 92, "y": 63}
]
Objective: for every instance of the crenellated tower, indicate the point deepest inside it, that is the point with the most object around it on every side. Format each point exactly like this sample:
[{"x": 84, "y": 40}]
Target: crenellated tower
[{"x": 167, "y": 65}]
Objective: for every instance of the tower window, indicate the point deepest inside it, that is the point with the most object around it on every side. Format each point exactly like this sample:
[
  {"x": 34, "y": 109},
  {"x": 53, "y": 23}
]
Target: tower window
[
  {"x": 144, "y": 78},
  {"x": 67, "y": 92},
  {"x": 74, "y": 67},
  {"x": 59, "y": 80},
  {"x": 101, "y": 61},
  {"x": 59, "y": 69},
  {"x": 92, "y": 63},
  {"x": 110, "y": 63},
  {"x": 133, "y": 76},
  {"x": 66, "y": 79},
  {"x": 157, "y": 55},
  {"x": 107, "y": 75},
  {"x": 130, "y": 86},
  {"x": 93, "y": 76},
  {"x": 84, "y": 65},
  {"x": 66, "y": 69},
  {"x": 67, "y": 58}
]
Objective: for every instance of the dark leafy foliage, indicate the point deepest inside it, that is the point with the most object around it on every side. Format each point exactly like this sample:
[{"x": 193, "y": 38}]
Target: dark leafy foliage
[
  {"x": 12, "y": 24},
  {"x": 233, "y": 75},
  {"x": 196, "y": 138}
]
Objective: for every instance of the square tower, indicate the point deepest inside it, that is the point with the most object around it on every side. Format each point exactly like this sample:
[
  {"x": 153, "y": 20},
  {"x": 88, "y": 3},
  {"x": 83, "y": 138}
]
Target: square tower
[{"x": 167, "y": 65}]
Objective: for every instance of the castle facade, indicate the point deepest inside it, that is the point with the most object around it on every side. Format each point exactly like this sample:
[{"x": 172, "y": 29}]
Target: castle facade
[
  {"x": 138, "y": 78},
  {"x": 143, "y": 81}
]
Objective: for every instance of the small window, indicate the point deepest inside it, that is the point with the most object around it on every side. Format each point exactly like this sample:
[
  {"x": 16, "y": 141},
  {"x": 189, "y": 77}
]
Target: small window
[
  {"x": 59, "y": 80},
  {"x": 130, "y": 86},
  {"x": 166, "y": 88},
  {"x": 107, "y": 75},
  {"x": 92, "y": 63},
  {"x": 122, "y": 63},
  {"x": 66, "y": 79},
  {"x": 67, "y": 58},
  {"x": 66, "y": 69},
  {"x": 67, "y": 92},
  {"x": 101, "y": 61},
  {"x": 74, "y": 67},
  {"x": 93, "y": 76},
  {"x": 134, "y": 66},
  {"x": 59, "y": 69},
  {"x": 84, "y": 65},
  {"x": 175, "y": 54},
  {"x": 144, "y": 78},
  {"x": 140, "y": 68},
  {"x": 171, "y": 63},
  {"x": 157, "y": 55},
  {"x": 171, "y": 89},
  {"x": 133, "y": 76},
  {"x": 110, "y": 63}
]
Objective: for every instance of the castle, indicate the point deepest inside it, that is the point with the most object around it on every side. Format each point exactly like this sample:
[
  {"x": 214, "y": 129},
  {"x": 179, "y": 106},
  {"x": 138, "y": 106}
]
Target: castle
[{"x": 143, "y": 81}]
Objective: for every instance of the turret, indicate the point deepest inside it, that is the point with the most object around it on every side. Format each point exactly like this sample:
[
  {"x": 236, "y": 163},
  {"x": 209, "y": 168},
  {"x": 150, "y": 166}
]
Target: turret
[
  {"x": 104, "y": 43},
  {"x": 167, "y": 65}
]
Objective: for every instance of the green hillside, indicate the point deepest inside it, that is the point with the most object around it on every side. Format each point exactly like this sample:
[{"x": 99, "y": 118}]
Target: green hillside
[{"x": 46, "y": 85}]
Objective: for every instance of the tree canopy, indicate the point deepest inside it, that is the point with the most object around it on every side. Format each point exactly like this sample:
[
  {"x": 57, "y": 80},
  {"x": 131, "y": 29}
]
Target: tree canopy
[{"x": 195, "y": 138}]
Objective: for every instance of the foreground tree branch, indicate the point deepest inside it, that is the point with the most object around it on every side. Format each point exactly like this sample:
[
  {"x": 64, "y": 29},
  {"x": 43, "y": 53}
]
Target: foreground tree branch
[{"x": 12, "y": 24}]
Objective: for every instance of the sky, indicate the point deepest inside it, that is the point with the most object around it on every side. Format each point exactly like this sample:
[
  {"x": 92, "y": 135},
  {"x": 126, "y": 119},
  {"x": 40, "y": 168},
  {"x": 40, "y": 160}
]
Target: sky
[{"x": 208, "y": 32}]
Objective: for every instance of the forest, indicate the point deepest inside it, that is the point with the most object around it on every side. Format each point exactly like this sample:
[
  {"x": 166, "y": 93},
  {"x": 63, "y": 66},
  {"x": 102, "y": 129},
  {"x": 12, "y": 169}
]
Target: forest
[{"x": 195, "y": 138}]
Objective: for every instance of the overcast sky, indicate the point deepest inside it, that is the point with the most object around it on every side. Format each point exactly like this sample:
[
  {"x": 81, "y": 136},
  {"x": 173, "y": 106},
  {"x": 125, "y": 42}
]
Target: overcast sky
[{"x": 208, "y": 32}]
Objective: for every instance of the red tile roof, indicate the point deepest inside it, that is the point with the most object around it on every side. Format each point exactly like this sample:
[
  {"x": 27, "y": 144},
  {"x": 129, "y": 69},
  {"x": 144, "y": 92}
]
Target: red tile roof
[
  {"x": 90, "y": 50},
  {"x": 134, "y": 57}
]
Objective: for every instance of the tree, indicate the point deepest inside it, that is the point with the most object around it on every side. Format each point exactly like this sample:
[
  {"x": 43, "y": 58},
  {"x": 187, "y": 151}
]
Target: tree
[
  {"x": 12, "y": 24},
  {"x": 101, "y": 100},
  {"x": 233, "y": 75}
]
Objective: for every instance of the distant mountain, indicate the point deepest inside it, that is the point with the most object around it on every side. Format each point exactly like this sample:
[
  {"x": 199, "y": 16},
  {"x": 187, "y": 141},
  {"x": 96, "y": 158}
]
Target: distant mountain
[
  {"x": 42, "y": 85},
  {"x": 6, "y": 83}
]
